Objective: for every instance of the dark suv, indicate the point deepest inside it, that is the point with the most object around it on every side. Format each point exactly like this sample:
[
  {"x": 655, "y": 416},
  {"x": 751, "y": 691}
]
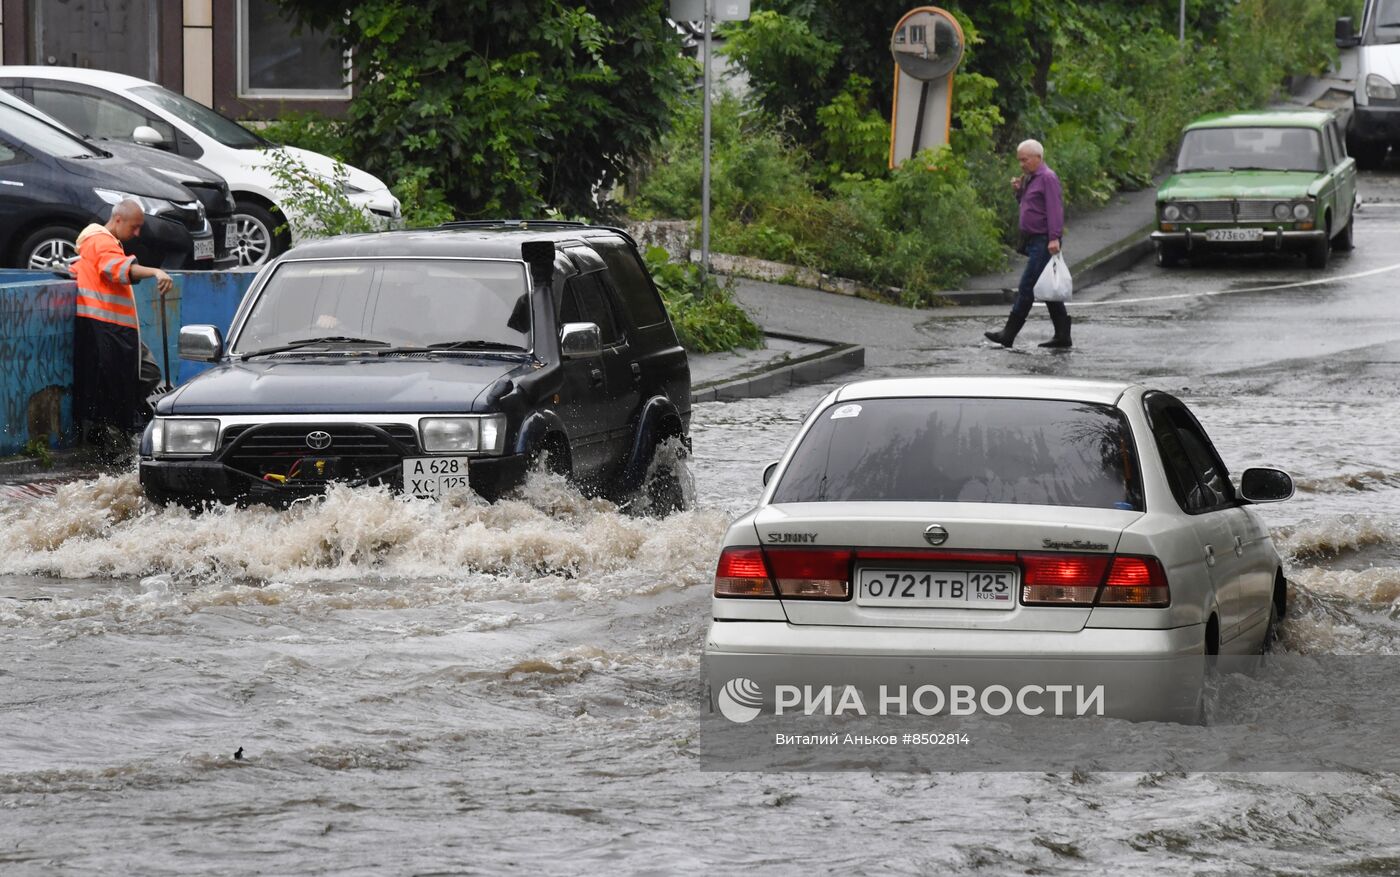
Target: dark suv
[{"x": 431, "y": 360}]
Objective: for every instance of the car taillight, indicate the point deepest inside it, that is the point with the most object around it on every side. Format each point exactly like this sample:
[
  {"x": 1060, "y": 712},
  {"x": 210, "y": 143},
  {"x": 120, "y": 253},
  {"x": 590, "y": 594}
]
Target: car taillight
[
  {"x": 813, "y": 574},
  {"x": 1062, "y": 579},
  {"x": 1136, "y": 581},
  {"x": 742, "y": 573}
]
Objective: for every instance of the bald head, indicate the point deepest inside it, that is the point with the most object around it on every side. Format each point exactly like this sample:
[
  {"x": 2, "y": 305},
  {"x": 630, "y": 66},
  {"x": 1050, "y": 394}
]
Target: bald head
[{"x": 127, "y": 219}]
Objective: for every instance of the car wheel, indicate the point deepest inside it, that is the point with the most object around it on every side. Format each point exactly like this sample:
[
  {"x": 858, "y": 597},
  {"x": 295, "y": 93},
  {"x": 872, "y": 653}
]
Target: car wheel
[
  {"x": 1321, "y": 249},
  {"x": 50, "y": 248},
  {"x": 1169, "y": 255},
  {"x": 1344, "y": 240},
  {"x": 1369, "y": 156},
  {"x": 257, "y": 238},
  {"x": 667, "y": 486}
]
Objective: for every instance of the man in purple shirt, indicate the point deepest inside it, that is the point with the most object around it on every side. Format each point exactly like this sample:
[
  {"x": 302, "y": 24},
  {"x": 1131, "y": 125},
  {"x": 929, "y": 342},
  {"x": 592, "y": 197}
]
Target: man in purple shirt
[{"x": 1042, "y": 225}]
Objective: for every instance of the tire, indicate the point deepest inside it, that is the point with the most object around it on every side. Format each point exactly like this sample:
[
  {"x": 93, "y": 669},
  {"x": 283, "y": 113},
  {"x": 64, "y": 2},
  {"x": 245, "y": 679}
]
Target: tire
[
  {"x": 663, "y": 491},
  {"x": 1320, "y": 250},
  {"x": 1369, "y": 156},
  {"x": 1344, "y": 241},
  {"x": 48, "y": 249},
  {"x": 1277, "y": 608},
  {"x": 257, "y": 235},
  {"x": 1169, "y": 255}
]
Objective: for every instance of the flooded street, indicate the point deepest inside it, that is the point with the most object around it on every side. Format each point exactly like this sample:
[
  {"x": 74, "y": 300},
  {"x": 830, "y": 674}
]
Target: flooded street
[{"x": 424, "y": 688}]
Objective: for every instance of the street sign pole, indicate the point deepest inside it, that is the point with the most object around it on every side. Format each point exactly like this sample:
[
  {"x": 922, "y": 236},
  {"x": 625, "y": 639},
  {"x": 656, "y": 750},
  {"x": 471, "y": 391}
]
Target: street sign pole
[{"x": 705, "y": 155}]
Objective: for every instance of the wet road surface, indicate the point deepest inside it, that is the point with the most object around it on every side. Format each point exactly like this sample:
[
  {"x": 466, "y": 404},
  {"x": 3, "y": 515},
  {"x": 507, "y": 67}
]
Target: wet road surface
[{"x": 423, "y": 687}]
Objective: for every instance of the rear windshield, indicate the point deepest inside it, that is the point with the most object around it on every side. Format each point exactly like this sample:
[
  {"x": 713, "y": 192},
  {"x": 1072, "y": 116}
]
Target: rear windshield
[
  {"x": 1032, "y": 452},
  {"x": 1263, "y": 148},
  {"x": 440, "y": 303}
]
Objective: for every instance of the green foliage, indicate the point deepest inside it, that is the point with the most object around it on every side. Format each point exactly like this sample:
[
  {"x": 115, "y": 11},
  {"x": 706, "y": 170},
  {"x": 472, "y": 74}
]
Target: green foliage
[
  {"x": 707, "y": 319},
  {"x": 311, "y": 131},
  {"x": 37, "y": 449},
  {"x": 788, "y": 64},
  {"x": 510, "y": 107},
  {"x": 855, "y": 137},
  {"x": 799, "y": 174},
  {"x": 315, "y": 206}
]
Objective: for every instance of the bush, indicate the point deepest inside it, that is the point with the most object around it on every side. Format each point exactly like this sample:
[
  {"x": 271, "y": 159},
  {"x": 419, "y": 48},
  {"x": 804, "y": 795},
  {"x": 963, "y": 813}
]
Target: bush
[{"x": 707, "y": 319}]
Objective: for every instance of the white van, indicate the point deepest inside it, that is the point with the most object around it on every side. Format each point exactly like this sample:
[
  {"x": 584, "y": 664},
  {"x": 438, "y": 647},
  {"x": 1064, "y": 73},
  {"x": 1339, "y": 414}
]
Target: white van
[
  {"x": 1375, "y": 121},
  {"x": 113, "y": 106}
]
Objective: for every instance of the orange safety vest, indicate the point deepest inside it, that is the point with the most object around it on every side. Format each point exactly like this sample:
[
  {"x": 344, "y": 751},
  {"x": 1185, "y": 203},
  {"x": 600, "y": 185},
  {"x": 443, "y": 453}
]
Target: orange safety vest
[{"x": 104, "y": 279}]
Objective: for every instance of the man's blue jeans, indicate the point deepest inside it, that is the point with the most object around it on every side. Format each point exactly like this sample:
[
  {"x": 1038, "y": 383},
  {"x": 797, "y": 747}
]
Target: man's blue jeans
[{"x": 1037, "y": 257}]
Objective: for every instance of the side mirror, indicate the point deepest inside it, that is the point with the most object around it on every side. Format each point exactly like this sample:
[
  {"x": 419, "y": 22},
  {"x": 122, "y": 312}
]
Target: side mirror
[
  {"x": 1344, "y": 34},
  {"x": 1266, "y": 485},
  {"x": 580, "y": 340},
  {"x": 201, "y": 343},
  {"x": 768, "y": 472},
  {"x": 147, "y": 136}
]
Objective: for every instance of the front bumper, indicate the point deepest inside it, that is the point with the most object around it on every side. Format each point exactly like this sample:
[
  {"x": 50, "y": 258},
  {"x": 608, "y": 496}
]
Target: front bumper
[
  {"x": 1147, "y": 675},
  {"x": 169, "y": 244},
  {"x": 1273, "y": 240},
  {"x": 1375, "y": 124},
  {"x": 209, "y": 480}
]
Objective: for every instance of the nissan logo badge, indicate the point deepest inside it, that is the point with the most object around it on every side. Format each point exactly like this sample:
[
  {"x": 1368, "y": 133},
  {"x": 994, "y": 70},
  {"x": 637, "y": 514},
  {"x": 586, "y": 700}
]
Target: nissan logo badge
[
  {"x": 320, "y": 440},
  {"x": 934, "y": 534}
]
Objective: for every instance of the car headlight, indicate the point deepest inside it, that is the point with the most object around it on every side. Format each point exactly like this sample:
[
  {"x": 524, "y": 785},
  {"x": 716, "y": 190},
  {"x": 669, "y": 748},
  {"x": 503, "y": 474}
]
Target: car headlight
[
  {"x": 458, "y": 435},
  {"x": 1282, "y": 211},
  {"x": 1191, "y": 212},
  {"x": 1380, "y": 88},
  {"x": 150, "y": 206},
  {"x": 183, "y": 437},
  {"x": 1302, "y": 211},
  {"x": 1171, "y": 213}
]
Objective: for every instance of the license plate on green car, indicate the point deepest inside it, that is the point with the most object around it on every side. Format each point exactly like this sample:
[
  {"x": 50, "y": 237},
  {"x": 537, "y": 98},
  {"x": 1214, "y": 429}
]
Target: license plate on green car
[{"x": 1236, "y": 235}]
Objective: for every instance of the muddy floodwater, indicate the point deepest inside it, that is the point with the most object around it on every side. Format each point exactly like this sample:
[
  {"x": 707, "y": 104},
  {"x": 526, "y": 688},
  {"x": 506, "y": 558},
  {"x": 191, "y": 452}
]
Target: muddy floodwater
[{"x": 423, "y": 687}]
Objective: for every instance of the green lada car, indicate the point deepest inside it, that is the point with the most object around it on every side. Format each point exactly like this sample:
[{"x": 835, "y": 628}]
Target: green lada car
[{"x": 1260, "y": 181}]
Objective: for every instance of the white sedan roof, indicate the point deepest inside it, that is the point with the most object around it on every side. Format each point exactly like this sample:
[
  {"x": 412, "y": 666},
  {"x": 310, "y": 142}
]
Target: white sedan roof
[
  {"x": 101, "y": 78},
  {"x": 1070, "y": 389}
]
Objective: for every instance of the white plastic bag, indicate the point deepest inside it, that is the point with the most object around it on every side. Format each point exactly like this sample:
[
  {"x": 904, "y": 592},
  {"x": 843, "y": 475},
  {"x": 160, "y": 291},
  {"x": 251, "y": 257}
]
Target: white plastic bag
[{"x": 1054, "y": 284}]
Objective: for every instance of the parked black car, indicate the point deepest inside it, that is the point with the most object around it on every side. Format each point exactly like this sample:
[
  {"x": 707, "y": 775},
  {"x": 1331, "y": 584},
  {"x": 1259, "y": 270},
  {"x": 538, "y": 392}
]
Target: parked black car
[
  {"x": 428, "y": 360},
  {"x": 52, "y": 184},
  {"x": 205, "y": 185}
]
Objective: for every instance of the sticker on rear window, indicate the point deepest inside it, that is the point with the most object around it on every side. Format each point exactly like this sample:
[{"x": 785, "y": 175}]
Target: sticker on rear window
[{"x": 846, "y": 411}]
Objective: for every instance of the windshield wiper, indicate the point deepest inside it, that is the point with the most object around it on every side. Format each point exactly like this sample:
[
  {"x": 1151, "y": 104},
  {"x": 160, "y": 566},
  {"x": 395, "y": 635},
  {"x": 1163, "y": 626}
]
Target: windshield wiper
[
  {"x": 324, "y": 339},
  {"x": 475, "y": 344}
]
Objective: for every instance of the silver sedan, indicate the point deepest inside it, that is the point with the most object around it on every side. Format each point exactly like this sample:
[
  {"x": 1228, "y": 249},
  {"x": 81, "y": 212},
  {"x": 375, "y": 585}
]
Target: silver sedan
[{"x": 996, "y": 524}]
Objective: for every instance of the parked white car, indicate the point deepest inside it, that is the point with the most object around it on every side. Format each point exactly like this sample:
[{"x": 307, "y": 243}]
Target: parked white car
[
  {"x": 113, "y": 106},
  {"x": 989, "y": 518},
  {"x": 1375, "y": 119}
]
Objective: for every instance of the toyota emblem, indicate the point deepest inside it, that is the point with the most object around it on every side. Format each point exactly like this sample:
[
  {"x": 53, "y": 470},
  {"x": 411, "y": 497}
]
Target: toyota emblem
[
  {"x": 320, "y": 440},
  {"x": 934, "y": 534}
]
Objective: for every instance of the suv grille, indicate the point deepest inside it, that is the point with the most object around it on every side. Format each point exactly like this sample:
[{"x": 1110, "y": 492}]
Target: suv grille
[{"x": 360, "y": 451}]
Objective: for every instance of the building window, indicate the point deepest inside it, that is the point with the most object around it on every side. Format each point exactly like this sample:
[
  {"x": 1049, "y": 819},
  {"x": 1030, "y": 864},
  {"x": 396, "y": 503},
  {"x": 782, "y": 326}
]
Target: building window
[{"x": 278, "y": 60}]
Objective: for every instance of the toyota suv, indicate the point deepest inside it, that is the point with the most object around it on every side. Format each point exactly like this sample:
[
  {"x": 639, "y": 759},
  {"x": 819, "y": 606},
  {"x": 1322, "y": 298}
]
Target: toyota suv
[{"x": 429, "y": 361}]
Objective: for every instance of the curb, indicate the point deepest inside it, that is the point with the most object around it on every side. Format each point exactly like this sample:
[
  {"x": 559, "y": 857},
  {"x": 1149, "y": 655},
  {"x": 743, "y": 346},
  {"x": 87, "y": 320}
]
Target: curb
[
  {"x": 1112, "y": 259},
  {"x": 768, "y": 380}
]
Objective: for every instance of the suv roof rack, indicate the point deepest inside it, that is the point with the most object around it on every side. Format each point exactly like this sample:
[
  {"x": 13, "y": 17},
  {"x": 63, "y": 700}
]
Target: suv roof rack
[{"x": 527, "y": 224}]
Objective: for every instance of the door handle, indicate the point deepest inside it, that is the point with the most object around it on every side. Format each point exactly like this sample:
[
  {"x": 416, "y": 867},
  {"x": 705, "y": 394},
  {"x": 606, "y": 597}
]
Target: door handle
[
  {"x": 636, "y": 372},
  {"x": 596, "y": 376},
  {"x": 1239, "y": 547},
  {"x": 1210, "y": 555}
]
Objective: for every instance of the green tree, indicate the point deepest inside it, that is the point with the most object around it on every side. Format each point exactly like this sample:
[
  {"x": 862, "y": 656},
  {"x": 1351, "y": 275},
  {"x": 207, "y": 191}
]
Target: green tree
[{"x": 510, "y": 107}]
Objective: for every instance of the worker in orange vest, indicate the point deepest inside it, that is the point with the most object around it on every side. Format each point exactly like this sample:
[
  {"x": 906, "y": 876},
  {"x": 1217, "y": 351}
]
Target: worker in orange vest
[{"x": 107, "y": 334}]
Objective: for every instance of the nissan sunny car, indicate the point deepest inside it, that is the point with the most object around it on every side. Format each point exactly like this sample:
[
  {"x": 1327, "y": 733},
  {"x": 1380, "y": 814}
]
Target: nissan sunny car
[{"x": 998, "y": 523}]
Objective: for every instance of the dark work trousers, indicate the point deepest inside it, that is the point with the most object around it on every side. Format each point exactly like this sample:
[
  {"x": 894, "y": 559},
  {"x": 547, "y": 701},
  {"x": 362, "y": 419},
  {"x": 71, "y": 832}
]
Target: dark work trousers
[
  {"x": 106, "y": 363},
  {"x": 1037, "y": 257}
]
